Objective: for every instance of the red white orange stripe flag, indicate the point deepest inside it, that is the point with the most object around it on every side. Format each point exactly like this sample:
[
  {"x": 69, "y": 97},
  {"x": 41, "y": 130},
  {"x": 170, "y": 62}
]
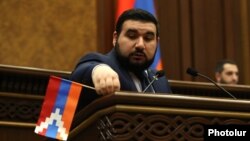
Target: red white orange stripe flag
[{"x": 58, "y": 108}]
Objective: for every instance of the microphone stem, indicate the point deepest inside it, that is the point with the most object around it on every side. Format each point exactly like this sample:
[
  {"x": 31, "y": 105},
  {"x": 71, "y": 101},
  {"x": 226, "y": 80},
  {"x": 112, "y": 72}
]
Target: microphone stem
[
  {"x": 217, "y": 85},
  {"x": 155, "y": 78}
]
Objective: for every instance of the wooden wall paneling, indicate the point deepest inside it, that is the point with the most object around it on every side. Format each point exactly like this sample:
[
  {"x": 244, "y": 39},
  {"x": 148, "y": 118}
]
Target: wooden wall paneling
[
  {"x": 215, "y": 31},
  {"x": 234, "y": 34},
  {"x": 247, "y": 59},
  {"x": 245, "y": 49},
  {"x": 198, "y": 31},
  {"x": 185, "y": 38},
  {"x": 105, "y": 24},
  {"x": 238, "y": 37},
  {"x": 229, "y": 30},
  {"x": 169, "y": 34},
  {"x": 208, "y": 35}
]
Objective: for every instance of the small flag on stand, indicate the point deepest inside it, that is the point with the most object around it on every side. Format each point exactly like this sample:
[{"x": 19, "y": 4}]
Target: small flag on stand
[{"x": 58, "y": 108}]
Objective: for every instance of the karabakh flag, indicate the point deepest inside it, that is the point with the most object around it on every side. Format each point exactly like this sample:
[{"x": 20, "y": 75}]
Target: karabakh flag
[
  {"x": 148, "y": 5},
  {"x": 58, "y": 108}
]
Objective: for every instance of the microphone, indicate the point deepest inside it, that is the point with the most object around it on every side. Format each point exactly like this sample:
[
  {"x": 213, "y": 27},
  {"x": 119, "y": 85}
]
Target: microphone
[
  {"x": 157, "y": 75},
  {"x": 194, "y": 73}
]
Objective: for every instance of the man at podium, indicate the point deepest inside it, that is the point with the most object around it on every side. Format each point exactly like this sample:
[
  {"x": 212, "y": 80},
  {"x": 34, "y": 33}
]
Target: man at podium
[{"x": 126, "y": 66}]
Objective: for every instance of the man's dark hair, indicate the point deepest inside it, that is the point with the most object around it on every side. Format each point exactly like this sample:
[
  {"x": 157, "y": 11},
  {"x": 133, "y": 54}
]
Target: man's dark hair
[
  {"x": 137, "y": 15},
  {"x": 220, "y": 64}
]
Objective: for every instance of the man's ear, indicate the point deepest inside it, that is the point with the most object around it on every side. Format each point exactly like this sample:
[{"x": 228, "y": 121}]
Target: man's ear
[
  {"x": 115, "y": 38},
  {"x": 218, "y": 76}
]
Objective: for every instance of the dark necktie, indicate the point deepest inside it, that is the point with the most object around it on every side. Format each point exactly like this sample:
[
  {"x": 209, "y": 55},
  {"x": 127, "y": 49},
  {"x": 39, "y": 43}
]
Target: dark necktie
[{"x": 145, "y": 82}]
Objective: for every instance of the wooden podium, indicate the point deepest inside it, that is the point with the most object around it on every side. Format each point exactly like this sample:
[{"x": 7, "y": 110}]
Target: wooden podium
[
  {"x": 127, "y": 116},
  {"x": 132, "y": 116}
]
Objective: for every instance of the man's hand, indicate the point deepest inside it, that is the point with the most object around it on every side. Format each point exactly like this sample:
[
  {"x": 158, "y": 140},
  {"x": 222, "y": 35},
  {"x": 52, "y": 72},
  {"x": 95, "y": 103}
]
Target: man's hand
[{"x": 105, "y": 79}]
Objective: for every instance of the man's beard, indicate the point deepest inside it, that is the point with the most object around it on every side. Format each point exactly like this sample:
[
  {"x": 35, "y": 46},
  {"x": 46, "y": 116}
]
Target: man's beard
[
  {"x": 135, "y": 67},
  {"x": 223, "y": 81}
]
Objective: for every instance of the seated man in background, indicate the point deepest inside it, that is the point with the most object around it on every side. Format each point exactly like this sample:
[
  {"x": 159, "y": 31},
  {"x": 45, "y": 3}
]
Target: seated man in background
[
  {"x": 227, "y": 72},
  {"x": 126, "y": 66}
]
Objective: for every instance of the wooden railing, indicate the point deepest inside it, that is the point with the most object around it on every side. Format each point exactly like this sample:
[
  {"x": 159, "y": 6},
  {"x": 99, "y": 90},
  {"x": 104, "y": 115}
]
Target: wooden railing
[
  {"x": 22, "y": 90},
  {"x": 27, "y": 80},
  {"x": 209, "y": 89}
]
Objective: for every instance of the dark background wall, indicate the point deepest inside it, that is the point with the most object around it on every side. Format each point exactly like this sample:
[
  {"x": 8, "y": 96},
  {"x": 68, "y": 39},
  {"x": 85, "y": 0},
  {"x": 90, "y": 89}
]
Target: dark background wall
[
  {"x": 196, "y": 33},
  {"x": 199, "y": 33}
]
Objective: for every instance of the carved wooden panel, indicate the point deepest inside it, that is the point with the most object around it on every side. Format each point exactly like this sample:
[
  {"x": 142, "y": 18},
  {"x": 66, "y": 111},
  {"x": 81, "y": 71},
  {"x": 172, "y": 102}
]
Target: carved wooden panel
[
  {"x": 26, "y": 84},
  {"x": 25, "y": 80},
  {"x": 159, "y": 127},
  {"x": 19, "y": 110}
]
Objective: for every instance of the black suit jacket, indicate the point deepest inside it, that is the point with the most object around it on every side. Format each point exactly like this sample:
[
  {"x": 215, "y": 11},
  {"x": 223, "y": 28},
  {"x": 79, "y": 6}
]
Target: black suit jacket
[{"x": 83, "y": 72}]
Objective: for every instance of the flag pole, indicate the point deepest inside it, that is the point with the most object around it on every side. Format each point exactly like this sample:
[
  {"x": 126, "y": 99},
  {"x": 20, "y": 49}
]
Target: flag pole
[
  {"x": 75, "y": 82},
  {"x": 86, "y": 86}
]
